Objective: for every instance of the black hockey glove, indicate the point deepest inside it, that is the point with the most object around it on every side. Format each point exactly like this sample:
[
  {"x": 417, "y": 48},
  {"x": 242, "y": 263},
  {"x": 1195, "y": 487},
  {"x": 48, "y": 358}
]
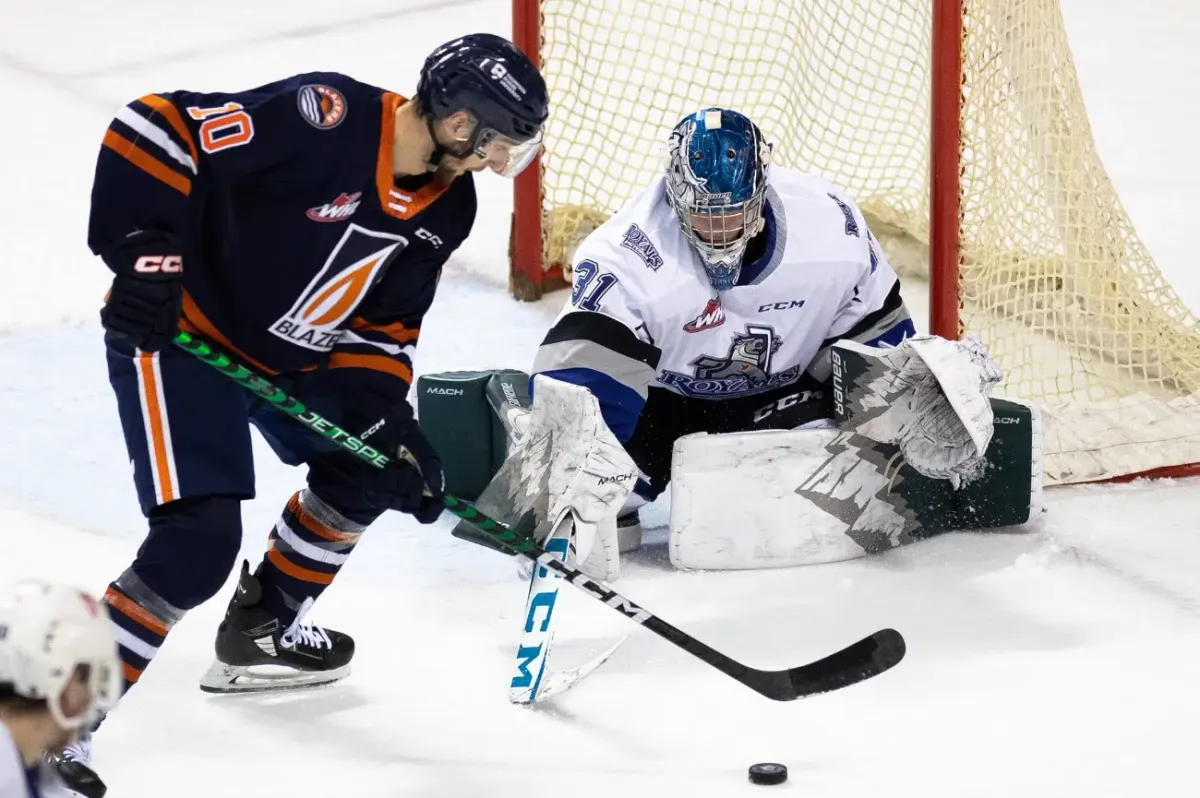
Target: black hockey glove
[
  {"x": 413, "y": 483},
  {"x": 147, "y": 292}
]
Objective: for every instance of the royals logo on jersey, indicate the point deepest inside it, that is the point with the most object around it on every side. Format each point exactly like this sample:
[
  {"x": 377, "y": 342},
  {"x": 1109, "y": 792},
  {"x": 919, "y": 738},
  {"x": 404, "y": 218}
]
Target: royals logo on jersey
[
  {"x": 637, "y": 241},
  {"x": 745, "y": 368},
  {"x": 354, "y": 266}
]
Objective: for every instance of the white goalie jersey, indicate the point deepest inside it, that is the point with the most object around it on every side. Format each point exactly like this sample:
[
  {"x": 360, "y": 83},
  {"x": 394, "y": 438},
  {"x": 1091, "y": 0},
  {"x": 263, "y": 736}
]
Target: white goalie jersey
[{"x": 642, "y": 313}]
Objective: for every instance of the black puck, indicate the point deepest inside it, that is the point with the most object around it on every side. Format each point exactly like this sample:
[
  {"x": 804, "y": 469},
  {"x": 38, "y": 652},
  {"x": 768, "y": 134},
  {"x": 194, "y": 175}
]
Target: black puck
[{"x": 768, "y": 773}]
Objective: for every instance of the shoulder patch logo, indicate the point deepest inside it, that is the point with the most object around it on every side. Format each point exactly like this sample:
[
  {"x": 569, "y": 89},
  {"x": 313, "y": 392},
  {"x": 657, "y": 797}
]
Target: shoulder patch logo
[
  {"x": 851, "y": 222},
  {"x": 321, "y": 106},
  {"x": 635, "y": 239}
]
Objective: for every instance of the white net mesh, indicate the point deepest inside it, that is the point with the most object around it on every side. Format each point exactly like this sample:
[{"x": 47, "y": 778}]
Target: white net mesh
[{"x": 1053, "y": 277}]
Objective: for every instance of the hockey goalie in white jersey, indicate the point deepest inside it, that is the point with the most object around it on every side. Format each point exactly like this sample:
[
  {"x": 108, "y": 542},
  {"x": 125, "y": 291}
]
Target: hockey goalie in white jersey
[{"x": 736, "y": 331}]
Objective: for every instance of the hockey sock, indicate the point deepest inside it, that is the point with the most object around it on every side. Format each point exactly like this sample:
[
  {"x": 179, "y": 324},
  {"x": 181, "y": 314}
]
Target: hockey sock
[
  {"x": 141, "y": 620},
  {"x": 305, "y": 551}
]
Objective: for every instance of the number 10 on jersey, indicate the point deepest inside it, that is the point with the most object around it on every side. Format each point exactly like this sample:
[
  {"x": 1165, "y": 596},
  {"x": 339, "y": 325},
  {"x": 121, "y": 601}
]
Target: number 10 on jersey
[{"x": 591, "y": 285}]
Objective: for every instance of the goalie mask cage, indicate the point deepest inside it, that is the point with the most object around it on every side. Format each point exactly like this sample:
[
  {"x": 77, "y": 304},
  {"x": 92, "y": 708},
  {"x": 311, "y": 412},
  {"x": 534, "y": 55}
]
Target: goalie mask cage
[{"x": 1020, "y": 232}]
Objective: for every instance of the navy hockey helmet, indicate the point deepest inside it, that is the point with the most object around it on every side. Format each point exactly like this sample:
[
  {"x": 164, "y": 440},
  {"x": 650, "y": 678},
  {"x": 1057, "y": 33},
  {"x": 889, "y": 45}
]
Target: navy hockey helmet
[
  {"x": 490, "y": 78},
  {"x": 716, "y": 183}
]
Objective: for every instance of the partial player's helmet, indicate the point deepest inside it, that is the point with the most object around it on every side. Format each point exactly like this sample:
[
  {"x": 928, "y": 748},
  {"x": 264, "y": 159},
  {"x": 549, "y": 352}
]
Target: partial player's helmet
[
  {"x": 48, "y": 633},
  {"x": 717, "y": 182},
  {"x": 490, "y": 78}
]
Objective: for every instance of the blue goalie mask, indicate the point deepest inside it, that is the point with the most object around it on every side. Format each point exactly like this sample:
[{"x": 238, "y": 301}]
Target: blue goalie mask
[{"x": 716, "y": 183}]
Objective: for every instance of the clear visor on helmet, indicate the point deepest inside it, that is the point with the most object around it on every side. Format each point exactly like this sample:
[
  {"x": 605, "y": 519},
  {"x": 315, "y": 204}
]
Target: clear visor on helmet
[{"x": 505, "y": 156}]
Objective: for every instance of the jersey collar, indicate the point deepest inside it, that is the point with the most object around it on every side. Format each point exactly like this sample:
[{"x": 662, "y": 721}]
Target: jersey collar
[{"x": 398, "y": 202}]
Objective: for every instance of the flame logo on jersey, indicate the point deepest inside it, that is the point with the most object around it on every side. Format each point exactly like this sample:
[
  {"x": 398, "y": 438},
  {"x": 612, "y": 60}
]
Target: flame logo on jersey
[{"x": 351, "y": 270}]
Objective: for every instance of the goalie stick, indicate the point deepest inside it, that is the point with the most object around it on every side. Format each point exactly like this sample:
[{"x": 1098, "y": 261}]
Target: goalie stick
[
  {"x": 857, "y": 662},
  {"x": 531, "y": 682}
]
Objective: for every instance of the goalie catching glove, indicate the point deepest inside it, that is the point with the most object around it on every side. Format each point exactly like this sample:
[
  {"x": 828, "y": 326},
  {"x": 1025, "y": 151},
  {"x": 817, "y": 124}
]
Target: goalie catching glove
[{"x": 929, "y": 395}]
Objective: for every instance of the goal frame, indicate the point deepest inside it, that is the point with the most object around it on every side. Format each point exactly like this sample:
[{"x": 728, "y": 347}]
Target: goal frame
[{"x": 529, "y": 280}]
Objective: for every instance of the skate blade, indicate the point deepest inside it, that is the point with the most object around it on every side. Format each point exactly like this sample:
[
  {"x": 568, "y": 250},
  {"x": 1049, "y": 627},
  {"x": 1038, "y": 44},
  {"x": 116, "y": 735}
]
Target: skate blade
[{"x": 222, "y": 678}]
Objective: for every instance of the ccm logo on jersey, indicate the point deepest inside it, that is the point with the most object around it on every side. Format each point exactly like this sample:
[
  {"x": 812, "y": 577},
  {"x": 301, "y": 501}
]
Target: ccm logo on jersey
[
  {"x": 337, "y": 211},
  {"x": 795, "y": 303},
  {"x": 425, "y": 235},
  {"x": 155, "y": 264}
]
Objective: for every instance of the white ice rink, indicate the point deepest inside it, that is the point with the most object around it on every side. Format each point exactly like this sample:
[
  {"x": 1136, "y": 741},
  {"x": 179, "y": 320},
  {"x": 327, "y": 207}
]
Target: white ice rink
[{"x": 1061, "y": 661}]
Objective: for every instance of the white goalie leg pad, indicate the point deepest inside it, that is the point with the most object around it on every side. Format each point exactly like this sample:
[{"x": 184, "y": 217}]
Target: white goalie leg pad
[
  {"x": 569, "y": 461},
  {"x": 780, "y": 498},
  {"x": 734, "y": 503},
  {"x": 603, "y": 555}
]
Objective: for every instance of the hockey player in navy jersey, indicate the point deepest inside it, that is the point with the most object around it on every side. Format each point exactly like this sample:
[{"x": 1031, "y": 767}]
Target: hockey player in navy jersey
[{"x": 302, "y": 226}]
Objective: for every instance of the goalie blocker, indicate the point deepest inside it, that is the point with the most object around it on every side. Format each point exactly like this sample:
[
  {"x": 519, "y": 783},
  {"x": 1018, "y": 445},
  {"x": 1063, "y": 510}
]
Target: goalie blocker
[{"x": 469, "y": 418}]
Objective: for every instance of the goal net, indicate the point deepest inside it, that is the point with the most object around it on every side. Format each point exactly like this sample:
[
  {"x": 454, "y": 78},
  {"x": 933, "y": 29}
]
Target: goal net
[{"x": 1045, "y": 266}]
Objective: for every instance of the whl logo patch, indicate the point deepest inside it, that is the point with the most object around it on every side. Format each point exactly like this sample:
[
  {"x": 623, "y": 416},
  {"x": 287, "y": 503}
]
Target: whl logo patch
[
  {"x": 713, "y": 315},
  {"x": 337, "y": 211},
  {"x": 314, "y": 321}
]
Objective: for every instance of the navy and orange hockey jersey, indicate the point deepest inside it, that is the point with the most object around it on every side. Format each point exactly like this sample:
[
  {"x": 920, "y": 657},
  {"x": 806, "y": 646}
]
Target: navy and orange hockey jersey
[{"x": 300, "y": 248}]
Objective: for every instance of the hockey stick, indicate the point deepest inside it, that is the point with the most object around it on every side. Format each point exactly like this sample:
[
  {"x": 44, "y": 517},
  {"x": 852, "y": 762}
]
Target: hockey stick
[
  {"x": 531, "y": 682},
  {"x": 857, "y": 662}
]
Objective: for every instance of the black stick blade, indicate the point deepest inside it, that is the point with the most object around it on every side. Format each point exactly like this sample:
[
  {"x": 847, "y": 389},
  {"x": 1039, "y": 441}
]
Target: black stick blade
[{"x": 868, "y": 657}]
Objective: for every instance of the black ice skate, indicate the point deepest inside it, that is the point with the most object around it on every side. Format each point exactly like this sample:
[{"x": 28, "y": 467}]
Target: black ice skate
[
  {"x": 256, "y": 653},
  {"x": 70, "y": 764}
]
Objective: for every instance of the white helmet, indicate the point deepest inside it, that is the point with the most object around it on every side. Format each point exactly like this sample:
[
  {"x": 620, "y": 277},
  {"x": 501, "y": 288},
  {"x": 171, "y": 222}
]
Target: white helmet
[{"x": 47, "y": 631}]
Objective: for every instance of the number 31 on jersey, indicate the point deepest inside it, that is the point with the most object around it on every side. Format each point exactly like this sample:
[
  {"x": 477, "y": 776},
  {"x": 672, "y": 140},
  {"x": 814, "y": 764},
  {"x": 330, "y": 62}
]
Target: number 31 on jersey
[{"x": 591, "y": 285}]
